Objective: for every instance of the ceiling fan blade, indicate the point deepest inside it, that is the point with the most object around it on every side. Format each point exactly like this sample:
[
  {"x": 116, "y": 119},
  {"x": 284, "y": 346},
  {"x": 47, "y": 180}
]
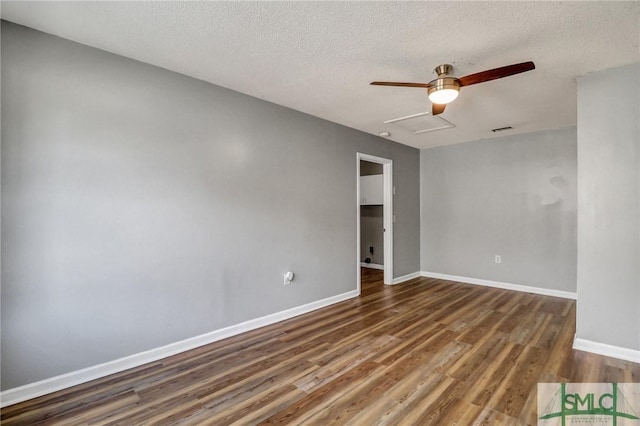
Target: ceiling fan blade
[
  {"x": 496, "y": 73},
  {"x": 400, "y": 84},
  {"x": 437, "y": 108}
]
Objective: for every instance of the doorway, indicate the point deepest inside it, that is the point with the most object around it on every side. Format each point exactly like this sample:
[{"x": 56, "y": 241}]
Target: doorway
[{"x": 367, "y": 200}]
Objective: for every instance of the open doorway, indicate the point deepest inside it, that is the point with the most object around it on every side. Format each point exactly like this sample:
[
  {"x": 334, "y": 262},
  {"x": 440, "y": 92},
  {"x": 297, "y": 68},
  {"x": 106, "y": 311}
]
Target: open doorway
[
  {"x": 375, "y": 215},
  {"x": 371, "y": 218}
]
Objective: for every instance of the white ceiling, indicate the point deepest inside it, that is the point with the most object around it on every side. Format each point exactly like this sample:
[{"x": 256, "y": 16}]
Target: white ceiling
[{"x": 319, "y": 57}]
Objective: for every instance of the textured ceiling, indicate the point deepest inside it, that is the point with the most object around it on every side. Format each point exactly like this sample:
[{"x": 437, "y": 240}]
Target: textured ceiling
[{"x": 318, "y": 57}]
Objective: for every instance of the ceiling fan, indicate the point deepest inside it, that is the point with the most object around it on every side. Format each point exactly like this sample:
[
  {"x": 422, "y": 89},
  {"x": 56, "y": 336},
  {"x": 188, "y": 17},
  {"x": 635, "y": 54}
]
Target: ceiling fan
[{"x": 445, "y": 88}]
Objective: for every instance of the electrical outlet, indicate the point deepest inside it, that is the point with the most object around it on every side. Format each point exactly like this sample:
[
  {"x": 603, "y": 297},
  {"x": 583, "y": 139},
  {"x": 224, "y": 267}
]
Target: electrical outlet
[{"x": 498, "y": 258}]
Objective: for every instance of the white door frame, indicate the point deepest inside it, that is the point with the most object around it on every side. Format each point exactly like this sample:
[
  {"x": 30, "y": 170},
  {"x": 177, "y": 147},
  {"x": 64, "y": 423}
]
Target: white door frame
[{"x": 387, "y": 214}]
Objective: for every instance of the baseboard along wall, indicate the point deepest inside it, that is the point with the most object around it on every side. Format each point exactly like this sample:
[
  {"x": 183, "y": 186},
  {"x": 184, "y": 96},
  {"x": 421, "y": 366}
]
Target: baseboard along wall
[
  {"x": 372, "y": 265},
  {"x": 53, "y": 384},
  {"x": 606, "y": 350},
  {"x": 63, "y": 381},
  {"x": 578, "y": 344},
  {"x": 504, "y": 286},
  {"x": 407, "y": 277}
]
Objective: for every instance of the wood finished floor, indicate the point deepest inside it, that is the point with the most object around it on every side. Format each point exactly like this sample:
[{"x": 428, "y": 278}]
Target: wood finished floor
[{"x": 426, "y": 352}]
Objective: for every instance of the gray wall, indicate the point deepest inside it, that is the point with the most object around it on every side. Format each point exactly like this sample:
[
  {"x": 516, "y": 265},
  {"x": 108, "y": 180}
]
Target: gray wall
[
  {"x": 141, "y": 207},
  {"x": 513, "y": 196},
  {"x": 609, "y": 207}
]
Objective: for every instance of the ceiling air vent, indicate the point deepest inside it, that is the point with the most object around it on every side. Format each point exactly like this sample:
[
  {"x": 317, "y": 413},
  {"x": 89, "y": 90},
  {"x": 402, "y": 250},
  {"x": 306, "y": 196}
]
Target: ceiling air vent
[{"x": 421, "y": 123}]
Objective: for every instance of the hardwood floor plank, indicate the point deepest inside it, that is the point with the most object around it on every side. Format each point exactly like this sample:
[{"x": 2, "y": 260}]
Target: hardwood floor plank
[
  {"x": 489, "y": 417},
  {"x": 415, "y": 401},
  {"x": 522, "y": 379},
  {"x": 492, "y": 377},
  {"x": 471, "y": 366},
  {"x": 353, "y": 401},
  {"x": 261, "y": 408},
  {"x": 457, "y": 412},
  {"x": 313, "y": 402},
  {"x": 338, "y": 366}
]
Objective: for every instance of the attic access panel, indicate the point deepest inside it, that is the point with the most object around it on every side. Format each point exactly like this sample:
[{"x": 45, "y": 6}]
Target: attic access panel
[{"x": 422, "y": 122}]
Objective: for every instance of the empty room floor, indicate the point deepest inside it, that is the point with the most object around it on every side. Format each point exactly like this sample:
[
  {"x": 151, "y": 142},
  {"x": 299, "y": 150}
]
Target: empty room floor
[{"x": 427, "y": 351}]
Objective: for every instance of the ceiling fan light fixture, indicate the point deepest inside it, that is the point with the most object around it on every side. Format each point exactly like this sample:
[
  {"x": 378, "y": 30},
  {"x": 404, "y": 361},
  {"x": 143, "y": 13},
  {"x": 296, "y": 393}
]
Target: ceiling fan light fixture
[
  {"x": 443, "y": 96},
  {"x": 443, "y": 90}
]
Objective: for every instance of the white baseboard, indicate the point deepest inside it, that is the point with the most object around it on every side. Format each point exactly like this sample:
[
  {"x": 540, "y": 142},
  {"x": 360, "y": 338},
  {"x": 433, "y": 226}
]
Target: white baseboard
[
  {"x": 606, "y": 350},
  {"x": 505, "y": 286},
  {"x": 53, "y": 384},
  {"x": 371, "y": 265},
  {"x": 407, "y": 277}
]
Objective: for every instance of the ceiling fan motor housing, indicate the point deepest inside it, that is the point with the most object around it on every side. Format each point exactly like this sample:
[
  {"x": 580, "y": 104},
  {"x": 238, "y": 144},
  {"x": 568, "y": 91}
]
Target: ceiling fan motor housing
[{"x": 444, "y": 83}]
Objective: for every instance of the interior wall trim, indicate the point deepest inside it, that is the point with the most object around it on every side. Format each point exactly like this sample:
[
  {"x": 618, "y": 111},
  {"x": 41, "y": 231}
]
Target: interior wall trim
[
  {"x": 63, "y": 381},
  {"x": 372, "y": 265},
  {"x": 407, "y": 277},
  {"x": 504, "y": 286},
  {"x": 606, "y": 350}
]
